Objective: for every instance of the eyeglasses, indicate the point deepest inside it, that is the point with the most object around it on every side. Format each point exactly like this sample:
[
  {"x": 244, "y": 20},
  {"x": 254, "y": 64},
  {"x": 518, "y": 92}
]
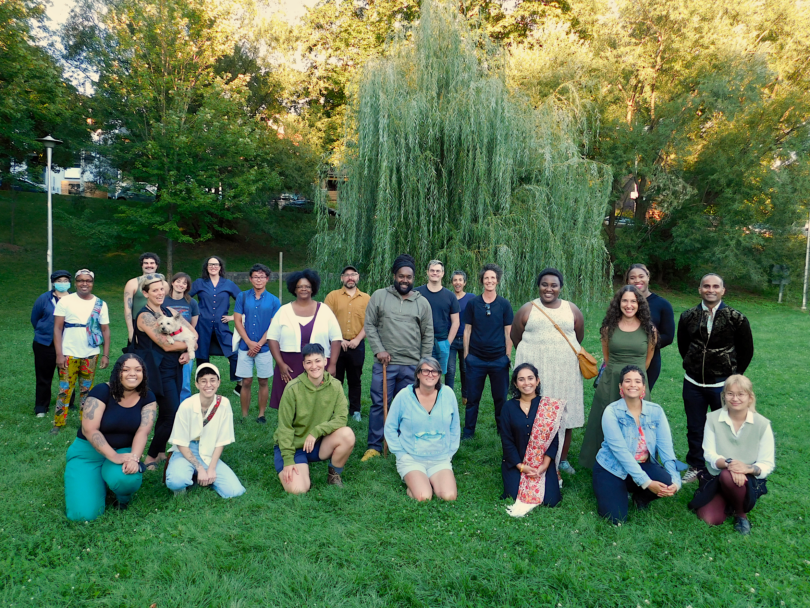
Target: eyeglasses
[
  {"x": 428, "y": 372},
  {"x": 84, "y": 280},
  {"x": 489, "y": 312},
  {"x": 213, "y": 265}
]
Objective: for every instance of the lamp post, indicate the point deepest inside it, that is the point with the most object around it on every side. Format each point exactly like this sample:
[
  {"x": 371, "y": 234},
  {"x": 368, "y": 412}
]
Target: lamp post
[
  {"x": 806, "y": 264},
  {"x": 50, "y": 143}
]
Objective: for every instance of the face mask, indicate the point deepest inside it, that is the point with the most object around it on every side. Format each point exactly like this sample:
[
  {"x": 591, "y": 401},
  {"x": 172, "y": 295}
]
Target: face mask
[{"x": 61, "y": 287}]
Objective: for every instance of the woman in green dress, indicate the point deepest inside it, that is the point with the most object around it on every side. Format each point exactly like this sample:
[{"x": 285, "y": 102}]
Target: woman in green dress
[{"x": 628, "y": 338}]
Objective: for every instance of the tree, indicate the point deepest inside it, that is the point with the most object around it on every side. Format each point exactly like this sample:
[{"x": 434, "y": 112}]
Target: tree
[{"x": 444, "y": 161}]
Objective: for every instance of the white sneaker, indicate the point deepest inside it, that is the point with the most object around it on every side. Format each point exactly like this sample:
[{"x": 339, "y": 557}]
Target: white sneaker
[
  {"x": 357, "y": 417},
  {"x": 41, "y": 415},
  {"x": 566, "y": 468},
  {"x": 690, "y": 475}
]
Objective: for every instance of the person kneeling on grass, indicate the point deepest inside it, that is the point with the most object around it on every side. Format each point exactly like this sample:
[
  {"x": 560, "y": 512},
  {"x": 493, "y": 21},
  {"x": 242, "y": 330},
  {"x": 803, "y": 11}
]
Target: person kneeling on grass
[
  {"x": 202, "y": 427},
  {"x": 739, "y": 453},
  {"x": 423, "y": 431},
  {"x": 636, "y": 434},
  {"x": 117, "y": 419},
  {"x": 312, "y": 425}
]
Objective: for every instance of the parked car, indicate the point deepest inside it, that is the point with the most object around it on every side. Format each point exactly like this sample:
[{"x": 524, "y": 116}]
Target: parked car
[
  {"x": 142, "y": 193},
  {"x": 620, "y": 221}
]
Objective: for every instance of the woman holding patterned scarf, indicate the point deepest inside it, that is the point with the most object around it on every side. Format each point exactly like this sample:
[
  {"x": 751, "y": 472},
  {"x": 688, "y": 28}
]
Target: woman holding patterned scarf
[{"x": 530, "y": 426}]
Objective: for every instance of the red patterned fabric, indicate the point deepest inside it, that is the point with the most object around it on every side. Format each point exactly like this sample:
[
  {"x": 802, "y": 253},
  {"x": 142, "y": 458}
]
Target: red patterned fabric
[{"x": 546, "y": 425}]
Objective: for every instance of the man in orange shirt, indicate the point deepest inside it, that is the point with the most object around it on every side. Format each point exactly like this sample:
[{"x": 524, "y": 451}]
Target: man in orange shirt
[{"x": 349, "y": 305}]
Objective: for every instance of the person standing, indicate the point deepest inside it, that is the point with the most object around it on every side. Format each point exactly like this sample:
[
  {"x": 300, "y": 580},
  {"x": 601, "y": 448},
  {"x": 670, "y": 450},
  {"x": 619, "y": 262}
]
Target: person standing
[
  {"x": 445, "y": 309},
  {"x": 628, "y": 338},
  {"x": 487, "y": 347},
  {"x": 349, "y": 305},
  {"x": 715, "y": 342},
  {"x": 252, "y": 315},
  {"x": 133, "y": 296},
  {"x": 660, "y": 312},
  {"x": 44, "y": 351},
  {"x": 81, "y": 323},
  {"x": 180, "y": 301},
  {"x": 214, "y": 293},
  {"x": 459, "y": 280},
  {"x": 554, "y": 354},
  {"x": 399, "y": 327}
]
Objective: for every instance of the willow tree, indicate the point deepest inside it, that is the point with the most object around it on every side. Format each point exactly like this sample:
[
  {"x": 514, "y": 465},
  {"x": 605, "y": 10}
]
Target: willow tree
[{"x": 443, "y": 161}]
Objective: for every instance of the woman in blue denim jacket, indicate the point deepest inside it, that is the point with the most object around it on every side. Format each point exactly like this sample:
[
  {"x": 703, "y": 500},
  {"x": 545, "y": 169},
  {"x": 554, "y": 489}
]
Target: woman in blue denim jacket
[
  {"x": 637, "y": 443},
  {"x": 423, "y": 432}
]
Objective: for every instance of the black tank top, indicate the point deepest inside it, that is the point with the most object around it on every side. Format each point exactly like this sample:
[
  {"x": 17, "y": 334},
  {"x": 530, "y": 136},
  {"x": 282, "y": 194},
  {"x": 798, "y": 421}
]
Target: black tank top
[
  {"x": 144, "y": 342},
  {"x": 118, "y": 424}
]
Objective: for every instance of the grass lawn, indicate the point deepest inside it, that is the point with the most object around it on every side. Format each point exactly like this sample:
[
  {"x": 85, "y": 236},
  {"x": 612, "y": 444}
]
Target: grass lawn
[{"x": 368, "y": 544}]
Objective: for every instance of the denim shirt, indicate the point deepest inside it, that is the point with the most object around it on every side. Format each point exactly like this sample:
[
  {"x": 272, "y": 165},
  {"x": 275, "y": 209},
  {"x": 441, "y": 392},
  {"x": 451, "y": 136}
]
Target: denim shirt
[
  {"x": 617, "y": 454},
  {"x": 410, "y": 430}
]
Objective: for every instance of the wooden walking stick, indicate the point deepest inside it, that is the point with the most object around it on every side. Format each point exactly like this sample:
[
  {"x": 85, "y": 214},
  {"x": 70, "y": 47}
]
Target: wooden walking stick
[{"x": 385, "y": 406}]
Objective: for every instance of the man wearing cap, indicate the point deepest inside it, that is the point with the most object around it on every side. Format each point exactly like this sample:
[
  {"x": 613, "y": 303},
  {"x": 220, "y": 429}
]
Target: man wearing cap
[
  {"x": 399, "y": 328},
  {"x": 44, "y": 352},
  {"x": 134, "y": 299},
  {"x": 445, "y": 309},
  {"x": 203, "y": 426},
  {"x": 81, "y": 324},
  {"x": 349, "y": 305}
]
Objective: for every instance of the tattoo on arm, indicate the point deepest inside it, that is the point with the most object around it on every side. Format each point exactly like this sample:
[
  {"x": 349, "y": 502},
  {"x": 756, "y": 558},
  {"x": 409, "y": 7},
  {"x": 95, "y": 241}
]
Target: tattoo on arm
[
  {"x": 148, "y": 414},
  {"x": 128, "y": 311},
  {"x": 98, "y": 440},
  {"x": 151, "y": 327},
  {"x": 194, "y": 462},
  {"x": 90, "y": 407}
]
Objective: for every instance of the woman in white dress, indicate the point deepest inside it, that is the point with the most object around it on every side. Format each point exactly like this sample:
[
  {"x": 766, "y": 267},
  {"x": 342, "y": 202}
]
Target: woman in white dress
[{"x": 540, "y": 343}]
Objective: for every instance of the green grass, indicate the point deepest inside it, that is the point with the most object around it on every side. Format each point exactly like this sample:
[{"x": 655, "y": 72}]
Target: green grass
[{"x": 368, "y": 544}]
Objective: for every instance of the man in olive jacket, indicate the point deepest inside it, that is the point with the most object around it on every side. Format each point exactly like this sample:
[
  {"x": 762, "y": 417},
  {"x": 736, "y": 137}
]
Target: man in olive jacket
[
  {"x": 399, "y": 329},
  {"x": 715, "y": 342}
]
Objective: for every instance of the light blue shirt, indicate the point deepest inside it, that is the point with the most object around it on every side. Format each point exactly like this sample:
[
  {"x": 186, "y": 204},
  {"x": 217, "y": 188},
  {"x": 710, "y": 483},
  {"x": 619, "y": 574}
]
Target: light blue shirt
[
  {"x": 410, "y": 430},
  {"x": 617, "y": 454}
]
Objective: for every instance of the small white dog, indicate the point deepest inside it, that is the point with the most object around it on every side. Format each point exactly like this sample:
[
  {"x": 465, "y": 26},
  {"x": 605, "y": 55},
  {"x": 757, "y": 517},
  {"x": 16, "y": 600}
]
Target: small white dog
[{"x": 177, "y": 328}]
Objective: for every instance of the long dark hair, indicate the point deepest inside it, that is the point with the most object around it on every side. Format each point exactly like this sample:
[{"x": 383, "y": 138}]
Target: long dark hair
[
  {"x": 614, "y": 313},
  {"x": 116, "y": 387},
  {"x": 514, "y": 391},
  {"x": 221, "y": 267}
]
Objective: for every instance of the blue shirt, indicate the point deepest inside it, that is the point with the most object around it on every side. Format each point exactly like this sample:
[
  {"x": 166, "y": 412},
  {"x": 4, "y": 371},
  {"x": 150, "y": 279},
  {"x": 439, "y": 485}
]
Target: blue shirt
[
  {"x": 462, "y": 304},
  {"x": 488, "y": 336},
  {"x": 256, "y": 315},
  {"x": 617, "y": 454},
  {"x": 42, "y": 318},
  {"x": 409, "y": 429},
  {"x": 186, "y": 309},
  {"x": 214, "y": 304}
]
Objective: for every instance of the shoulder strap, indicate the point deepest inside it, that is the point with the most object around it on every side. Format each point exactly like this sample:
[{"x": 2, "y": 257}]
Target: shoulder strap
[
  {"x": 562, "y": 333},
  {"x": 213, "y": 411}
]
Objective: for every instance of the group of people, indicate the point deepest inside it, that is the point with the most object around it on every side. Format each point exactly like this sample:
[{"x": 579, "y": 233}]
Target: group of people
[{"x": 418, "y": 337}]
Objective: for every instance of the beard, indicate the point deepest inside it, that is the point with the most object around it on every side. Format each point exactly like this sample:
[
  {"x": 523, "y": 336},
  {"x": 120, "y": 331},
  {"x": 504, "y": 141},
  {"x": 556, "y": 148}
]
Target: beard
[{"x": 403, "y": 288}]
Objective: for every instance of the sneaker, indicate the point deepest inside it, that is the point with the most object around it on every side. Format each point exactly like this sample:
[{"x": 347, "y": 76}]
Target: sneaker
[
  {"x": 333, "y": 477},
  {"x": 357, "y": 417},
  {"x": 237, "y": 390},
  {"x": 690, "y": 475},
  {"x": 566, "y": 468},
  {"x": 371, "y": 453},
  {"x": 55, "y": 430},
  {"x": 742, "y": 525},
  {"x": 41, "y": 415},
  {"x": 261, "y": 420}
]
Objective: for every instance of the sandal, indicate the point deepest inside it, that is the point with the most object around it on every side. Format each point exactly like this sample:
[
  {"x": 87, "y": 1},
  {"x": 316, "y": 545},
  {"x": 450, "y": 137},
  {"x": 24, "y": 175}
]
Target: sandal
[{"x": 152, "y": 466}]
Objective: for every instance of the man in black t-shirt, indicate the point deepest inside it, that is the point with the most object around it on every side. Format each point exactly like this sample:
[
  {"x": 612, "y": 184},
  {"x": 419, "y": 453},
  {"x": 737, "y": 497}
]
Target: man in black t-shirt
[
  {"x": 487, "y": 347},
  {"x": 444, "y": 305}
]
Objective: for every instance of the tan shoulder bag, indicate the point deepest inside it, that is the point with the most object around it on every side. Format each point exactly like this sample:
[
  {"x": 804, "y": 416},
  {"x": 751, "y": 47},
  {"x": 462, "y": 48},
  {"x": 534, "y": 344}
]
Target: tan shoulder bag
[{"x": 587, "y": 364}]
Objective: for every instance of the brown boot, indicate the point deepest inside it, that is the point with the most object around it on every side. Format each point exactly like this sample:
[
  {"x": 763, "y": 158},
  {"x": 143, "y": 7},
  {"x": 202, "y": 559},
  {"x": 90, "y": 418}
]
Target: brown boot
[
  {"x": 333, "y": 478},
  {"x": 464, "y": 401}
]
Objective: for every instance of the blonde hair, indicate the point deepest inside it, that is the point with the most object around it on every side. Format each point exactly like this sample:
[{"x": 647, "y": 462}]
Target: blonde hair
[{"x": 743, "y": 384}]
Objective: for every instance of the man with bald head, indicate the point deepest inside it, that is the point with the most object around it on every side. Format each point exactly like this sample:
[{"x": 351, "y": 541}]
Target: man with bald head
[{"x": 715, "y": 342}]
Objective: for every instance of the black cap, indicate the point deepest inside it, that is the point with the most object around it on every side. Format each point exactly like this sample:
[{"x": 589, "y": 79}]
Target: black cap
[
  {"x": 58, "y": 274},
  {"x": 349, "y": 268}
]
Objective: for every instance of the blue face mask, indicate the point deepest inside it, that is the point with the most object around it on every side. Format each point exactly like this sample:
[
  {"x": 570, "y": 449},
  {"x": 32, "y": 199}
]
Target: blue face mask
[{"x": 61, "y": 287}]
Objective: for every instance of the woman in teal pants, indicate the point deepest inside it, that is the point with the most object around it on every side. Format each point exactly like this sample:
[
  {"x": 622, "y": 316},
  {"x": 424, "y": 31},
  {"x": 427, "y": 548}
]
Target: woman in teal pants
[{"x": 117, "y": 418}]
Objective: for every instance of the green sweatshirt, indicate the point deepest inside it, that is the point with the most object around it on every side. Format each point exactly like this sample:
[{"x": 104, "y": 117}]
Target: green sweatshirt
[{"x": 305, "y": 410}]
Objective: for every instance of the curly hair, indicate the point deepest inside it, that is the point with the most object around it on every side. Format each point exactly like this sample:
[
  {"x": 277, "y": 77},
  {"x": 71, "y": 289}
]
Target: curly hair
[
  {"x": 308, "y": 274},
  {"x": 614, "y": 314},
  {"x": 117, "y": 387},
  {"x": 514, "y": 391},
  {"x": 205, "y": 274}
]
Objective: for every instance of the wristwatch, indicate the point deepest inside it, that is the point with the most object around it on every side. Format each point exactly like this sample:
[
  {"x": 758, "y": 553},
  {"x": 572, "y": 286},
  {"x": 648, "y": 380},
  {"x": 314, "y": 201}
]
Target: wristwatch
[{"x": 728, "y": 462}]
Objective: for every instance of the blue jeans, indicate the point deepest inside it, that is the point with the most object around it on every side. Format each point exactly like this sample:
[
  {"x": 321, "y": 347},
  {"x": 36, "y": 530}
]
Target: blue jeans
[
  {"x": 477, "y": 372},
  {"x": 441, "y": 352},
  {"x": 456, "y": 352},
  {"x": 398, "y": 377},
  {"x": 696, "y": 401},
  {"x": 180, "y": 471},
  {"x": 185, "y": 390},
  {"x": 611, "y": 491}
]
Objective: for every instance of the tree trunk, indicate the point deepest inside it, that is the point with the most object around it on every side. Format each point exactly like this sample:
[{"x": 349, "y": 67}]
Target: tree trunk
[
  {"x": 169, "y": 249},
  {"x": 13, "y": 208}
]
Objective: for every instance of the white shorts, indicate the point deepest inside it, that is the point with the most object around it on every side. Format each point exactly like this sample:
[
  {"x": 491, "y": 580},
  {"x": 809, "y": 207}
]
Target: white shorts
[
  {"x": 407, "y": 464},
  {"x": 263, "y": 362}
]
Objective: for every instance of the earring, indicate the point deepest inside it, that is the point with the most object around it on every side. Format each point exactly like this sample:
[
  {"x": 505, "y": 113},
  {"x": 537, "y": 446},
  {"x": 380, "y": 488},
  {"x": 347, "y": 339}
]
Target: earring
[{"x": 643, "y": 393}]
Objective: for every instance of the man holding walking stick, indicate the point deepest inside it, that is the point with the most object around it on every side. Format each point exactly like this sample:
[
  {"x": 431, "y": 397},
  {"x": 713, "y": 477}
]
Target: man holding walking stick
[{"x": 399, "y": 329}]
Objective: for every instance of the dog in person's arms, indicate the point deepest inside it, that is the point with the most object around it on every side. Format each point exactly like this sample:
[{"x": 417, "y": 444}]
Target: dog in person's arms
[{"x": 177, "y": 328}]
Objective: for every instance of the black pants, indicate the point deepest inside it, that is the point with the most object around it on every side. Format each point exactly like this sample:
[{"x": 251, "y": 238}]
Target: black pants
[
  {"x": 696, "y": 401},
  {"x": 350, "y": 366},
  {"x": 171, "y": 378},
  {"x": 611, "y": 491},
  {"x": 654, "y": 370},
  {"x": 477, "y": 372},
  {"x": 44, "y": 368},
  {"x": 215, "y": 349}
]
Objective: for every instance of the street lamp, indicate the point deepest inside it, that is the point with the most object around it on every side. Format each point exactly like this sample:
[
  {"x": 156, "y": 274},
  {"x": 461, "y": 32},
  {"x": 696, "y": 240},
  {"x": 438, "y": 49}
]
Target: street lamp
[
  {"x": 806, "y": 263},
  {"x": 50, "y": 143}
]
